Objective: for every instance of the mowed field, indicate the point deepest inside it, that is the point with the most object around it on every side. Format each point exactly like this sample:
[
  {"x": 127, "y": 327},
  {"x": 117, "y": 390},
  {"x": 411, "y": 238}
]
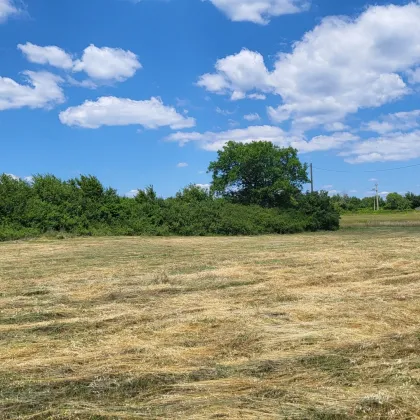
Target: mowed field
[
  {"x": 395, "y": 219},
  {"x": 311, "y": 326}
]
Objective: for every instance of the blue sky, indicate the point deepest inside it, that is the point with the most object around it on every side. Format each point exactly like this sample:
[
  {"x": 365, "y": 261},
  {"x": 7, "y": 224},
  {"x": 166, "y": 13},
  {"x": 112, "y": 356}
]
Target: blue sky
[{"x": 145, "y": 92}]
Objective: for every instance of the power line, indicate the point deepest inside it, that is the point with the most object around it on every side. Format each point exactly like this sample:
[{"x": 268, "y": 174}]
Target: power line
[{"x": 377, "y": 170}]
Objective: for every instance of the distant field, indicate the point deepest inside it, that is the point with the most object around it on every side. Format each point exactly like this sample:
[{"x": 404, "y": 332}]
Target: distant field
[
  {"x": 381, "y": 219},
  {"x": 311, "y": 326}
]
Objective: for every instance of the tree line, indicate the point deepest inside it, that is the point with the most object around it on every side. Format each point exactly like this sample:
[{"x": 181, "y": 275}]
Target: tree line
[
  {"x": 393, "y": 201},
  {"x": 256, "y": 188}
]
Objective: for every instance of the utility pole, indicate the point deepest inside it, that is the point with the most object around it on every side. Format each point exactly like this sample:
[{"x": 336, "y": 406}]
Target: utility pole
[
  {"x": 312, "y": 179},
  {"x": 376, "y": 198}
]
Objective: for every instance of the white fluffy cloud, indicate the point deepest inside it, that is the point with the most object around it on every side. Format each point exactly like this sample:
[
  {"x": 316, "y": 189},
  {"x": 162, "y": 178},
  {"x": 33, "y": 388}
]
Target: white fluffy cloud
[
  {"x": 100, "y": 64},
  {"x": 336, "y": 126},
  {"x": 252, "y": 117},
  {"x": 259, "y": 11},
  {"x": 214, "y": 141},
  {"x": 238, "y": 74},
  {"x": 338, "y": 68},
  {"x": 52, "y": 55},
  {"x": 324, "y": 143},
  {"x": 257, "y": 96},
  {"x": 108, "y": 64},
  {"x": 390, "y": 146},
  {"x": 7, "y": 8},
  {"x": 397, "y": 146},
  {"x": 182, "y": 165},
  {"x": 112, "y": 111},
  {"x": 414, "y": 76},
  {"x": 87, "y": 83},
  {"x": 400, "y": 121},
  {"x": 42, "y": 90}
]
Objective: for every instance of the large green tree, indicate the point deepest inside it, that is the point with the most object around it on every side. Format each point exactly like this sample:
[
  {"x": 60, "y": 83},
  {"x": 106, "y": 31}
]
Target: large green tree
[
  {"x": 413, "y": 199},
  {"x": 258, "y": 173},
  {"x": 395, "y": 201}
]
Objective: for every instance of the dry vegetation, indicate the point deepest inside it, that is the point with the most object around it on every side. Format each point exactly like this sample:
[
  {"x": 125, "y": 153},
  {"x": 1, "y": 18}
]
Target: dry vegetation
[{"x": 312, "y": 326}]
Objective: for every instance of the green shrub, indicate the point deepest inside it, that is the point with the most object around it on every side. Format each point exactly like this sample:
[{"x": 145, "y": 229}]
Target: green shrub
[
  {"x": 82, "y": 206},
  {"x": 320, "y": 210}
]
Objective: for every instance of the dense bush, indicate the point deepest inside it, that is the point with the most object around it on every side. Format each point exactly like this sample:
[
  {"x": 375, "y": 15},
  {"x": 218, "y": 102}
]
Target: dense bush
[
  {"x": 82, "y": 206},
  {"x": 319, "y": 210},
  {"x": 396, "y": 201}
]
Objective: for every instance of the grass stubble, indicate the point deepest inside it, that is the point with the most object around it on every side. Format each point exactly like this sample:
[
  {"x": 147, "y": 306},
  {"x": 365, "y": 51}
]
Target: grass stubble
[{"x": 312, "y": 326}]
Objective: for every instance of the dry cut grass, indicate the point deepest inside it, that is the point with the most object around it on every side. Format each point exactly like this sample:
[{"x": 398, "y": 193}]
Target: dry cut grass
[{"x": 313, "y": 326}]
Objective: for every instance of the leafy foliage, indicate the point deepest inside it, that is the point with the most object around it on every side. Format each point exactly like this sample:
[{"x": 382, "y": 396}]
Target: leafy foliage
[
  {"x": 396, "y": 201},
  {"x": 256, "y": 189},
  {"x": 393, "y": 201},
  {"x": 258, "y": 173},
  {"x": 82, "y": 206}
]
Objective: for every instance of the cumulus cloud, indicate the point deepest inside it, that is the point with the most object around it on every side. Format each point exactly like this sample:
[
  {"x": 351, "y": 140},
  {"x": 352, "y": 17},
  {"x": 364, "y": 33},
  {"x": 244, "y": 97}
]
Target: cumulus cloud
[
  {"x": 108, "y": 64},
  {"x": 7, "y": 8},
  {"x": 252, "y": 117},
  {"x": 87, "y": 83},
  {"x": 414, "y": 76},
  {"x": 42, "y": 90},
  {"x": 214, "y": 141},
  {"x": 332, "y": 71},
  {"x": 182, "y": 165},
  {"x": 112, "y": 111},
  {"x": 259, "y": 11},
  {"x": 336, "y": 126},
  {"x": 102, "y": 65},
  {"x": 257, "y": 96},
  {"x": 396, "y": 146},
  {"x": 238, "y": 74},
  {"x": 400, "y": 121},
  {"x": 52, "y": 55},
  {"x": 326, "y": 142}
]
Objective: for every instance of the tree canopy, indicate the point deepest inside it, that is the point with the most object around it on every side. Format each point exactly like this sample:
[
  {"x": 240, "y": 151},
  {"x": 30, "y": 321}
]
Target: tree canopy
[
  {"x": 392, "y": 201},
  {"x": 395, "y": 201},
  {"x": 258, "y": 173}
]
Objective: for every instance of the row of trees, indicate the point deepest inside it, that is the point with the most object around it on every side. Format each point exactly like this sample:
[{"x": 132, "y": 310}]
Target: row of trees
[
  {"x": 256, "y": 189},
  {"x": 393, "y": 201}
]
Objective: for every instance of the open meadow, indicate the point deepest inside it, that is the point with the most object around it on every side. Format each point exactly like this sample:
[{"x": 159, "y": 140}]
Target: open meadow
[
  {"x": 381, "y": 219},
  {"x": 309, "y": 326}
]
